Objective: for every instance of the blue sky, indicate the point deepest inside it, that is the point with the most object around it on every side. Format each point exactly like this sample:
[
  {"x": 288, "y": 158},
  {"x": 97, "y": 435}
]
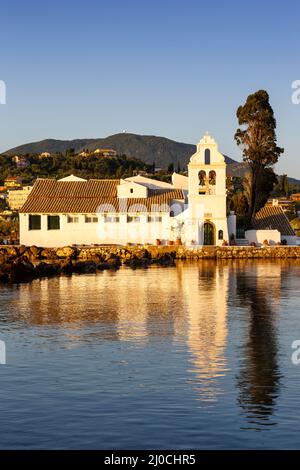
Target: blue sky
[{"x": 174, "y": 68}]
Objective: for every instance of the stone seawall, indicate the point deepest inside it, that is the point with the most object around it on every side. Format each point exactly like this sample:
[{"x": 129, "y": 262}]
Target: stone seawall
[
  {"x": 209, "y": 252},
  {"x": 22, "y": 264},
  {"x": 231, "y": 252}
]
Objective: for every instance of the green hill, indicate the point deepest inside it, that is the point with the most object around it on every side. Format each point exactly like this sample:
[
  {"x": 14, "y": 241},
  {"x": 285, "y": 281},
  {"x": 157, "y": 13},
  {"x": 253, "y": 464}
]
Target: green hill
[{"x": 149, "y": 149}]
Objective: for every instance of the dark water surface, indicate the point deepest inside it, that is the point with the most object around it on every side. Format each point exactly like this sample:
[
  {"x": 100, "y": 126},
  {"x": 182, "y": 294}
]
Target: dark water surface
[{"x": 197, "y": 356}]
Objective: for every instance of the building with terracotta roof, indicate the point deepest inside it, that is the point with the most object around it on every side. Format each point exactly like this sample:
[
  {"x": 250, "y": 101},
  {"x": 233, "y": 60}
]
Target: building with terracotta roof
[
  {"x": 13, "y": 182},
  {"x": 287, "y": 205},
  {"x": 17, "y": 197},
  {"x": 135, "y": 210},
  {"x": 295, "y": 197},
  {"x": 95, "y": 211},
  {"x": 271, "y": 224},
  {"x": 273, "y": 217}
]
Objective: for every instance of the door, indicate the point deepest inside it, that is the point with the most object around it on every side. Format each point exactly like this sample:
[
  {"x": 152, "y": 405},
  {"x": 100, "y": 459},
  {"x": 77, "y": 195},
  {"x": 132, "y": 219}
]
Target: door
[{"x": 209, "y": 234}]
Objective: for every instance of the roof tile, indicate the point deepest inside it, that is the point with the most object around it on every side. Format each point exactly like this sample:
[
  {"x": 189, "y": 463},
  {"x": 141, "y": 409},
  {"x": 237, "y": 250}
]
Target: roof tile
[
  {"x": 74, "y": 197},
  {"x": 273, "y": 217}
]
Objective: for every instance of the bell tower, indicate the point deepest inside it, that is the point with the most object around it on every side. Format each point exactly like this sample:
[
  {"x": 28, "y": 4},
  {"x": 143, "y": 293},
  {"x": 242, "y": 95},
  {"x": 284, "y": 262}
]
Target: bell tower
[{"x": 207, "y": 193}]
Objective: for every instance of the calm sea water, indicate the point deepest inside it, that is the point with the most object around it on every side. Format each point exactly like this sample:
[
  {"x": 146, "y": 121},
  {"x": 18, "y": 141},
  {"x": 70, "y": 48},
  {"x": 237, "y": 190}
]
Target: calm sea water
[{"x": 197, "y": 356}]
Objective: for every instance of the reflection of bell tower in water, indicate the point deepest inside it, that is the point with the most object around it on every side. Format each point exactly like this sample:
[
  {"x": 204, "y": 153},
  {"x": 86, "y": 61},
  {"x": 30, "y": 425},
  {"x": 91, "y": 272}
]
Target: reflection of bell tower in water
[
  {"x": 207, "y": 194},
  {"x": 206, "y": 299}
]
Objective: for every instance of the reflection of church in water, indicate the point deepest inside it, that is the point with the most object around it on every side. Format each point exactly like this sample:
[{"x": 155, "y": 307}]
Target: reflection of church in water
[
  {"x": 206, "y": 296},
  {"x": 205, "y": 307}
]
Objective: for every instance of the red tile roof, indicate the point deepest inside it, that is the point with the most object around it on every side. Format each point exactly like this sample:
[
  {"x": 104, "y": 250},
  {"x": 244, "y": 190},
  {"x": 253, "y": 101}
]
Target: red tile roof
[
  {"x": 75, "y": 197},
  {"x": 273, "y": 217}
]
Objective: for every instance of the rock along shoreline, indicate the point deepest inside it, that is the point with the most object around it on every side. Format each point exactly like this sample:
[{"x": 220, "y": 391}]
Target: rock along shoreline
[{"x": 23, "y": 264}]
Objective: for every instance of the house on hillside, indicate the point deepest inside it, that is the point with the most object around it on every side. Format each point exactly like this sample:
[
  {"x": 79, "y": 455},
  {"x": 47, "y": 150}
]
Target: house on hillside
[
  {"x": 191, "y": 210},
  {"x": 84, "y": 154},
  {"x": 13, "y": 182},
  {"x": 98, "y": 153},
  {"x": 44, "y": 155},
  {"x": 20, "y": 161},
  {"x": 105, "y": 153}
]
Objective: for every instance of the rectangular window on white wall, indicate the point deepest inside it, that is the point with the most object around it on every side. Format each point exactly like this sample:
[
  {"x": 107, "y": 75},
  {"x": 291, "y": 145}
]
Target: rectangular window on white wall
[
  {"x": 154, "y": 218},
  {"x": 111, "y": 219},
  {"x": 34, "y": 222},
  {"x": 133, "y": 218},
  {"x": 91, "y": 219},
  {"x": 73, "y": 220},
  {"x": 53, "y": 222}
]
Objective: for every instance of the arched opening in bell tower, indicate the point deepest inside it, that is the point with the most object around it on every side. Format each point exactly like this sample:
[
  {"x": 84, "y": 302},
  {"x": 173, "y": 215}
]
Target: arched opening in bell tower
[{"x": 207, "y": 157}]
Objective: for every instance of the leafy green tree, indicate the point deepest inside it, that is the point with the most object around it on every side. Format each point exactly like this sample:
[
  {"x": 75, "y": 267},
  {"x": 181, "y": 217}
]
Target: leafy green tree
[
  {"x": 265, "y": 184},
  {"x": 257, "y": 138},
  {"x": 70, "y": 152},
  {"x": 59, "y": 166},
  {"x": 239, "y": 204}
]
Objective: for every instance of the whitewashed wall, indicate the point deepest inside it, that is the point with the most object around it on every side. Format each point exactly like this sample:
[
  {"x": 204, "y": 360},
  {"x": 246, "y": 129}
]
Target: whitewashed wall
[
  {"x": 95, "y": 233},
  {"x": 273, "y": 236},
  {"x": 259, "y": 236}
]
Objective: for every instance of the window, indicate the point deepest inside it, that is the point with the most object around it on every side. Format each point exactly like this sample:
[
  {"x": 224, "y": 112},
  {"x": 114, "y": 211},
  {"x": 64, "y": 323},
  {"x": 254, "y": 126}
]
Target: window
[
  {"x": 220, "y": 235},
  {"x": 111, "y": 219},
  {"x": 133, "y": 218},
  {"x": 73, "y": 220},
  {"x": 34, "y": 222},
  {"x": 91, "y": 220},
  {"x": 53, "y": 222},
  {"x": 154, "y": 218},
  {"x": 207, "y": 157},
  {"x": 131, "y": 190}
]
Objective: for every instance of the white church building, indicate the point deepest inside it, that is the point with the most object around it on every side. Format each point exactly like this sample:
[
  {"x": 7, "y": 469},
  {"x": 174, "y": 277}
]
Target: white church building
[{"x": 191, "y": 210}]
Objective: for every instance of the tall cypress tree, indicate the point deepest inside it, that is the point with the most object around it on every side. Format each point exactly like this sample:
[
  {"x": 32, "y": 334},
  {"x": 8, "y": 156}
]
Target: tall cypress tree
[
  {"x": 257, "y": 138},
  {"x": 284, "y": 185}
]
